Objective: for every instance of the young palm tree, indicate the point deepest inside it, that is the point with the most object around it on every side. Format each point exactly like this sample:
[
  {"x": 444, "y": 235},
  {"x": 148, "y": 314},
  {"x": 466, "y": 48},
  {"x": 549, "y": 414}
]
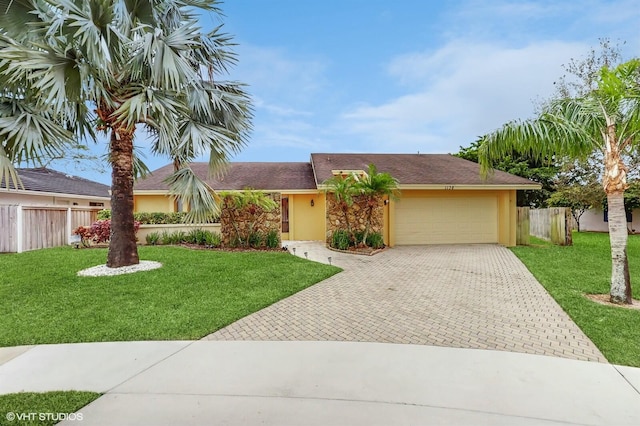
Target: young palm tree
[
  {"x": 374, "y": 186},
  {"x": 343, "y": 190},
  {"x": 608, "y": 119},
  {"x": 69, "y": 68}
]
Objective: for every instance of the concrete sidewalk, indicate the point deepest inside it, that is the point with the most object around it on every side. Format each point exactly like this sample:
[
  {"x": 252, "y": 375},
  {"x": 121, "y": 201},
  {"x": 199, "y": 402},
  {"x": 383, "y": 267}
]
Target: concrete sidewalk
[{"x": 321, "y": 383}]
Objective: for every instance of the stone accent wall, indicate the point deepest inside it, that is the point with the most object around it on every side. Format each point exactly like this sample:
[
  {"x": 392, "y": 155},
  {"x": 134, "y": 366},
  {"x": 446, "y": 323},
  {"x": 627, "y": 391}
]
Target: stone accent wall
[
  {"x": 357, "y": 216},
  {"x": 263, "y": 221}
]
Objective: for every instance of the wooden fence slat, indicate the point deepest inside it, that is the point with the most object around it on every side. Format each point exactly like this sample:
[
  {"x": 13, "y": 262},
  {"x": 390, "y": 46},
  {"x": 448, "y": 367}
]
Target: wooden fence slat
[
  {"x": 8, "y": 229},
  {"x": 552, "y": 224},
  {"x": 42, "y": 226}
]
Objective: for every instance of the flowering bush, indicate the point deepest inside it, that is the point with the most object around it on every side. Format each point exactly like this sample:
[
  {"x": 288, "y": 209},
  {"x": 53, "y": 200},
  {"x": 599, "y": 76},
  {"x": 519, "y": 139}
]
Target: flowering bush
[{"x": 98, "y": 232}]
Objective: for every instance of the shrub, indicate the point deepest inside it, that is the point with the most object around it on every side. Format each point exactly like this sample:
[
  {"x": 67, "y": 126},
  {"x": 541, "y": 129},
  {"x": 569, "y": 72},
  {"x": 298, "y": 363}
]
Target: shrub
[
  {"x": 104, "y": 214},
  {"x": 255, "y": 239},
  {"x": 212, "y": 239},
  {"x": 99, "y": 231},
  {"x": 155, "y": 218},
  {"x": 375, "y": 240},
  {"x": 83, "y": 232},
  {"x": 165, "y": 238},
  {"x": 153, "y": 238},
  {"x": 178, "y": 237},
  {"x": 272, "y": 239},
  {"x": 340, "y": 239}
]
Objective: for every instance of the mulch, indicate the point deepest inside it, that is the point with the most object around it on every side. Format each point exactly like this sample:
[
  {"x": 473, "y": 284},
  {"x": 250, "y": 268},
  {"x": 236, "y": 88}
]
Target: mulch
[{"x": 604, "y": 299}]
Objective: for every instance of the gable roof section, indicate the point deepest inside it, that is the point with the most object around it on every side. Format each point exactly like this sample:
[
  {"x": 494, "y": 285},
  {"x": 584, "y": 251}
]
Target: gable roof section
[
  {"x": 416, "y": 169},
  {"x": 411, "y": 170},
  {"x": 241, "y": 175},
  {"x": 47, "y": 180}
]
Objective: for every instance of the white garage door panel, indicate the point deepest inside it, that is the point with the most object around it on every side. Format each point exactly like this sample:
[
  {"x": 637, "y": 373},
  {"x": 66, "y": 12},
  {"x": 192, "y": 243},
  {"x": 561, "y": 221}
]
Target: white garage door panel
[{"x": 447, "y": 220}]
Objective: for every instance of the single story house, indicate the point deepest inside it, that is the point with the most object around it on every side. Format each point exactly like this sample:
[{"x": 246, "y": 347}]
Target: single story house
[
  {"x": 596, "y": 220},
  {"x": 46, "y": 187},
  {"x": 443, "y": 199}
]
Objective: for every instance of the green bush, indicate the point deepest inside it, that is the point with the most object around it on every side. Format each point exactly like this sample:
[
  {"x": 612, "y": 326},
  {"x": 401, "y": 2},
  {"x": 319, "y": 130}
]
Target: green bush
[
  {"x": 166, "y": 238},
  {"x": 255, "y": 239},
  {"x": 197, "y": 236},
  {"x": 104, "y": 214},
  {"x": 272, "y": 239},
  {"x": 213, "y": 239},
  {"x": 153, "y": 238},
  {"x": 340, "y": 239},
  {"x": 178, "y": 237},
  {"x": 375, "y": 240},
  {"x": 154, "y": 218}
]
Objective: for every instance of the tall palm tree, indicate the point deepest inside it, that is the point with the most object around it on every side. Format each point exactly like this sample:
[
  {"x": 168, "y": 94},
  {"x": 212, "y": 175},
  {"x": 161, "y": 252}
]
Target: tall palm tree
[
  {"x": 607, "y": 119},
  {"x": 71, "y": 67},
  {"x": 373, "y": 186}
]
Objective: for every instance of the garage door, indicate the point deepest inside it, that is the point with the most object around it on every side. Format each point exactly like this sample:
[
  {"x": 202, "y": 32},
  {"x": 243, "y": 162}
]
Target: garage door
[{"x": 446, "y": 220}]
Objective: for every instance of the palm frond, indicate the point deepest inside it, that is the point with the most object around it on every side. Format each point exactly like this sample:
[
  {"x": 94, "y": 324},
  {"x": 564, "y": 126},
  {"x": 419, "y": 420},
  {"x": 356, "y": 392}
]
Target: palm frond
[{"x": 187, "y": 187}]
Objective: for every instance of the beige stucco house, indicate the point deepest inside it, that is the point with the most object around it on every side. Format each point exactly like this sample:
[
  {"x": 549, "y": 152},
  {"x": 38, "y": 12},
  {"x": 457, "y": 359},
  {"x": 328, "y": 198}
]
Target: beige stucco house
[
  {"x": 46, "y": 187},
  {"x": 443, "y": 199}
]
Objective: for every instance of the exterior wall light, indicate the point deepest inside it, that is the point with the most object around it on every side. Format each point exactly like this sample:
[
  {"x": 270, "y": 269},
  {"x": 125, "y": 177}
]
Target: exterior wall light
[{"x": 312, "y": 203}]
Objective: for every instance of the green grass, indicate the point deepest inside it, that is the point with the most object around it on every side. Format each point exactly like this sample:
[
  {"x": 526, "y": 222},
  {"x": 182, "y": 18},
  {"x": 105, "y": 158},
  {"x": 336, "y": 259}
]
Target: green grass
[
  {"x": 568, "y": 273},
  {"x": 195, "y": 293},
  {"x": 42, "y": 408}
]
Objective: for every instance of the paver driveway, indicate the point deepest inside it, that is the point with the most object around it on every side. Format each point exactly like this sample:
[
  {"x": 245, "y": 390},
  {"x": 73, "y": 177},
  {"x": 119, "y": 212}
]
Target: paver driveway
[{"x": 465, "y": 296}]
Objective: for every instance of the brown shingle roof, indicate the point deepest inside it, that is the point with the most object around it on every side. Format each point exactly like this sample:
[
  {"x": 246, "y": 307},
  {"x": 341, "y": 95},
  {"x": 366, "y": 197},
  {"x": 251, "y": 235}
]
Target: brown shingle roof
[
  {"x": 47, "y": 180},
  {"x": 414, "y": 169},
  {"x": 257, "y": 175}
]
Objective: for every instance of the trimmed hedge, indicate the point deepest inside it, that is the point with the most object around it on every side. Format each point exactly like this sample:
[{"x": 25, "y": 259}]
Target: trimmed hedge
[{"x": 155, "y": 218}]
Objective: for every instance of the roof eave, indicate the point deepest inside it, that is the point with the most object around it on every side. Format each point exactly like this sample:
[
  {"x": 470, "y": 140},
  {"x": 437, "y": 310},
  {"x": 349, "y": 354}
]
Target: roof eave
[
  {"x": 473, "y": 187},
  {"x": 52, "y": 194}
]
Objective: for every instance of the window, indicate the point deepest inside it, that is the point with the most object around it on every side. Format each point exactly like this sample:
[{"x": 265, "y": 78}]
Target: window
[{"x": 629, "y": 216}]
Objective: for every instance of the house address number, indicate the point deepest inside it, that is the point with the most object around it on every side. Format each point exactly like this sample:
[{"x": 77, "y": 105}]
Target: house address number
[{"x": 448, "y": 187}]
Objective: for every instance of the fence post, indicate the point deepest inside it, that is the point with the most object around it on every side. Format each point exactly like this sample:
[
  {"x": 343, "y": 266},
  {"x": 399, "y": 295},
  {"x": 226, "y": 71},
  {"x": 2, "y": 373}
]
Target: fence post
[
  {"x": 69, "y": 225},
  {"x": 568, "y": 226},
  {"x": 523, "y": 226},
  {"x": 19, "y": 230}
]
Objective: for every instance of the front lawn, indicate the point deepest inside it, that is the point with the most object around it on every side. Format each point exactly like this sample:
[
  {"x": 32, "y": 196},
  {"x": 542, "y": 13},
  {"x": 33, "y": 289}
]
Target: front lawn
[
  {"x": 195, "y": 293},
  {"x": 585, "y": 268},
  {"x": 48, "y": 408}
]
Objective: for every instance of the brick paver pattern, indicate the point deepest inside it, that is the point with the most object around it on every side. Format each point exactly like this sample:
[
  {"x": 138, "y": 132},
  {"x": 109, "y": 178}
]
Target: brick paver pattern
[{"x": 463, "y": 296}]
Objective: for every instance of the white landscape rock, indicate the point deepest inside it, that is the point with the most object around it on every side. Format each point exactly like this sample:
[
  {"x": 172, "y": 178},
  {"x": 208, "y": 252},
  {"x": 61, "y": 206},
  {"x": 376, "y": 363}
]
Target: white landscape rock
[{"x": 104, "y": 270}]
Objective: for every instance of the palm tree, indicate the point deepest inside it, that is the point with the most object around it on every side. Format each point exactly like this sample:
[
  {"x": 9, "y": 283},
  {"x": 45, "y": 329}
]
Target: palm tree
[
  {"x": 373, "y": 186},
  {"x": 606, "y": 119},
  {"x": 343, "y": 190},
  {"x": 70, "y": 67}
]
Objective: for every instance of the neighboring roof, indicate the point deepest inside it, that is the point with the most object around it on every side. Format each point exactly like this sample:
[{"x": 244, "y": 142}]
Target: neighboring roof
[
  {"x": 414, "y": 169},
  {"x": 47, "y": 180},
  {"x": 238, "y": 176}
]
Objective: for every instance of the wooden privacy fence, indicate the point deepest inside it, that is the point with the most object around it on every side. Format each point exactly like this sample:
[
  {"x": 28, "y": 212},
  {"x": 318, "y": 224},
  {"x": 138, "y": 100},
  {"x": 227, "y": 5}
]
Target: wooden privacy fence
[
  {"x": 551, "y": 224},
  {"x": 24, "y": 228},
  {"x": 523, "y": 226}
]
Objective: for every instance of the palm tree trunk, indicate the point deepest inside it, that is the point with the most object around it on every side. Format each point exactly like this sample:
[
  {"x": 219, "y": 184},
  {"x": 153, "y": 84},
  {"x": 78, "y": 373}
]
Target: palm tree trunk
[
  {"x": 123, "y": 250},
  {"x": 614, "y": 182},
  {"x": 368, "y": 220},
  {"x": 620, "y": 279}
]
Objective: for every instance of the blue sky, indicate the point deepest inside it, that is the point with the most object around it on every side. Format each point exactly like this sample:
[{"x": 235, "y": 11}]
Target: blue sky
[{"x": 400, "y": 76}]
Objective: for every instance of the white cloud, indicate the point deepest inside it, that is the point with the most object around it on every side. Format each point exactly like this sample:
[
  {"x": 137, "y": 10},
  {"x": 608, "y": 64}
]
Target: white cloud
[{"x": 460, "y": 91}]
